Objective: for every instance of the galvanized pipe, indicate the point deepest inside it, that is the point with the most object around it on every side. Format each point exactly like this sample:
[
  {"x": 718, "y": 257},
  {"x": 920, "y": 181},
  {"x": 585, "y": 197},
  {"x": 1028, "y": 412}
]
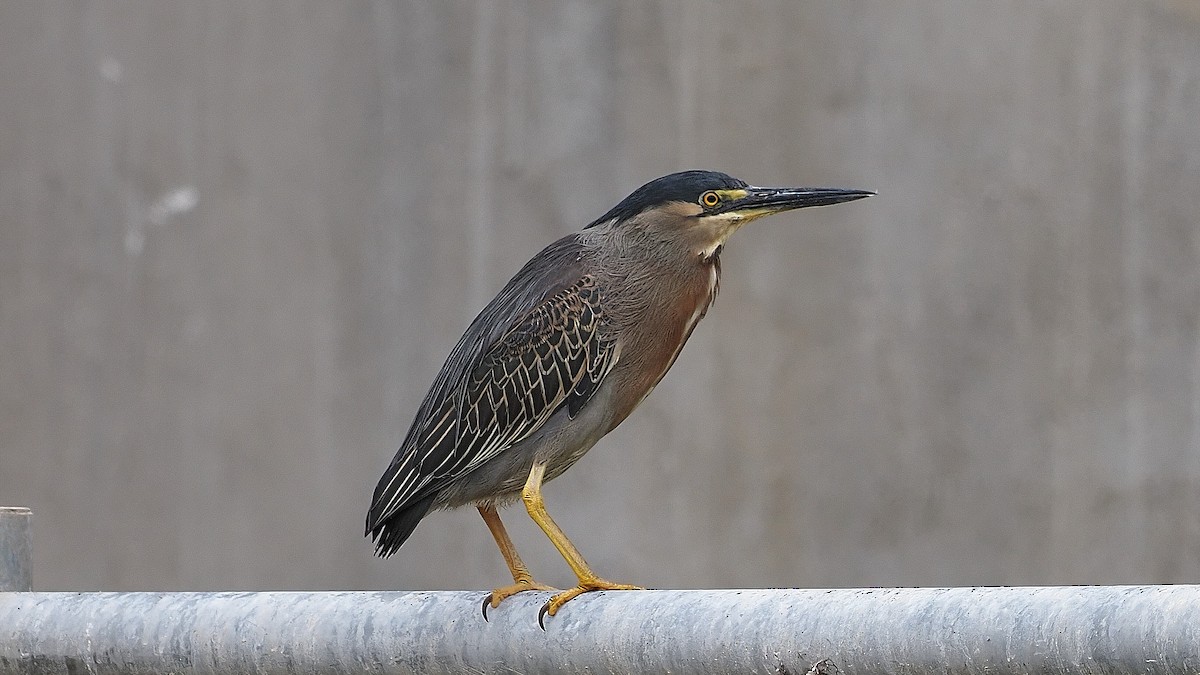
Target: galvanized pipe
[
  {"x": 16, "y": 549},
  {"x": 1148, "y": 629}
]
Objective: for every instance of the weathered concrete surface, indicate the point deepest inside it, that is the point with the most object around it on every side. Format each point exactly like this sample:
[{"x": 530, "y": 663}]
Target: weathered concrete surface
[
  {"x": 237, "y": 240},
  {"x": 997, "y": 631}
]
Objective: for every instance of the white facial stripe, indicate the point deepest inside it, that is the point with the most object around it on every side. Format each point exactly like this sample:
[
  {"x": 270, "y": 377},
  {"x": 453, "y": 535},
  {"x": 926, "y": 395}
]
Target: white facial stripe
[{"x": 718, "y": 228}]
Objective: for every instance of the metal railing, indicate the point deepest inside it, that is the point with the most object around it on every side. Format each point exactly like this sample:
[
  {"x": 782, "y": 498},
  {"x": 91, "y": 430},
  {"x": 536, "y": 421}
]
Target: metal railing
[{"x": 1087, "y": 629}]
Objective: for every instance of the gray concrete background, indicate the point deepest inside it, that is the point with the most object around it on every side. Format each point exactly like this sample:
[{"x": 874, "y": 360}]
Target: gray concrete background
[{"x": 237, "y": 241}]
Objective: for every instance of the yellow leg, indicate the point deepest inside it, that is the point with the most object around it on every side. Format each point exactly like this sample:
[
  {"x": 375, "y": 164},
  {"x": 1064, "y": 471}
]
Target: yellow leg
[
  {"x": 588, "y": 581},
  {"x": 522, "y": 579}
]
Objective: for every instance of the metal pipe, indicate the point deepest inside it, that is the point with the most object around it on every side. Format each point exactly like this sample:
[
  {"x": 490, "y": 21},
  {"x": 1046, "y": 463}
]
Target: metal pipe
[
  {"x": 1147, "y": 629},
  {"x": 16, "y": 549}
]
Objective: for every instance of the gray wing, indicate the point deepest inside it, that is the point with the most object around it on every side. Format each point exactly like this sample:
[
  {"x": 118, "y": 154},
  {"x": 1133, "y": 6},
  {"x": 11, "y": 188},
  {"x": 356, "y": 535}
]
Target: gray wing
[{"x": 504, "y": 379}]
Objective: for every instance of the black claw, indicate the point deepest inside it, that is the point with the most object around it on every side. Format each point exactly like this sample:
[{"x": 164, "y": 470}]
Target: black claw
[
  {"x": 542, "y": 615},
  {"x": 486, "y": 601}
]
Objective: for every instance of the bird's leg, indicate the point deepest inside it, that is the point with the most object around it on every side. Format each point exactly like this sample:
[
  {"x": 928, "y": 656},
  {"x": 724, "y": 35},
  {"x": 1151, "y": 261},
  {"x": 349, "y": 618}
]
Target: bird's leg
[
  {"x": 520, "y": 572},
  {"x": 588, "y": 581},
  {"x": 522, "y": 579}
]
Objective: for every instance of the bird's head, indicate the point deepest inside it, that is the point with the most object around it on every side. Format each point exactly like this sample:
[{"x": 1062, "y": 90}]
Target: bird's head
[{"x": 700, "y": 209}]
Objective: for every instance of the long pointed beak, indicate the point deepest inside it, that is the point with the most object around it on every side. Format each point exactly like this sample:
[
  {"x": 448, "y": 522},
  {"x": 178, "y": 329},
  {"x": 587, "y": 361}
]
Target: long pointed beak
[{"x": 759, "y": 201}]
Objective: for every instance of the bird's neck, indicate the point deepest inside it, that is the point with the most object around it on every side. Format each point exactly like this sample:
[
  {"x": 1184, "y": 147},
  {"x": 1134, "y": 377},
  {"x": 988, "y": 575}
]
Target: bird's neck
[{"x": 663, "y": 295}]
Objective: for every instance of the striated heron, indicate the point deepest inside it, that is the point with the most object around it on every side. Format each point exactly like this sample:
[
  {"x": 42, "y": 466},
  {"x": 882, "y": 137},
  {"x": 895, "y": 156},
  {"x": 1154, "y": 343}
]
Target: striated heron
[{"x": 571, "y": 345}]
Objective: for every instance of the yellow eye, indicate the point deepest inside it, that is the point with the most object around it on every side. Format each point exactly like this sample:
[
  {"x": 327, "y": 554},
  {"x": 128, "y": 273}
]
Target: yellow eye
[{"x": 710, "y": 199}]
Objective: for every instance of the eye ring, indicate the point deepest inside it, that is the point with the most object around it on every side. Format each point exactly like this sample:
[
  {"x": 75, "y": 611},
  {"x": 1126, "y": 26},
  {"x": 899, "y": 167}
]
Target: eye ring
[{"x": 710, "y": 199}]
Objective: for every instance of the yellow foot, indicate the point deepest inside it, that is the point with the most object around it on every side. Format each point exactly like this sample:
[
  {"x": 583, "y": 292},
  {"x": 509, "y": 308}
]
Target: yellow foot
[
  {"x": 504, "y": 592},
  {"x": 596, "y": 584}
]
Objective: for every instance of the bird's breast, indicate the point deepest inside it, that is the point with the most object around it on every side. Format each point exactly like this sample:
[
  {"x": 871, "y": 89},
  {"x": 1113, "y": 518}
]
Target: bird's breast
[{"x": 653, "y": 339}]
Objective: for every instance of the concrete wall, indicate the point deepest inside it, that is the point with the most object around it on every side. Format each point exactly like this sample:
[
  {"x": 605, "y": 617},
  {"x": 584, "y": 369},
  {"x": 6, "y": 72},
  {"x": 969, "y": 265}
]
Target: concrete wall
[{"x": 238, "y": 240}]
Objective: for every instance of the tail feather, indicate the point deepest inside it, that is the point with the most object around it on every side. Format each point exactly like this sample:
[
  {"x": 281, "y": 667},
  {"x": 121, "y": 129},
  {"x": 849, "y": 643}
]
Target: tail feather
[{"x": 391, "y": 533}]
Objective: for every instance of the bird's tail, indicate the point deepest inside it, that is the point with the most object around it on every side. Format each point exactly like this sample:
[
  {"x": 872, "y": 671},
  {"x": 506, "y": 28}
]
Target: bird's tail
[{"x": 390, "y": 533}]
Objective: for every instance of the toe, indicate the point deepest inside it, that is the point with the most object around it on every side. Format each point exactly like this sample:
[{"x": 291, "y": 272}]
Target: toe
[
  {"x": 556, "y": 603},
  {"x": 501, "y": 594}
]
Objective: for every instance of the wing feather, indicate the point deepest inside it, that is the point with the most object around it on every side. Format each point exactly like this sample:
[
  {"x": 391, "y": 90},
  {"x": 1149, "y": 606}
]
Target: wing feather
[{"x": 541, "y": 344}]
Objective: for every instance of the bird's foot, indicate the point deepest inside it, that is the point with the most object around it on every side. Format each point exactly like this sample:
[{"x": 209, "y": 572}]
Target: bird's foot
[
  {"x": 499, "y": 595},
  {"x": 585, "y": 586}
]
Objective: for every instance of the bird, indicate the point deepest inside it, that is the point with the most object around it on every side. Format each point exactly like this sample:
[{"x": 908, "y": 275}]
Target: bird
[{"x": 571, "y": 345}]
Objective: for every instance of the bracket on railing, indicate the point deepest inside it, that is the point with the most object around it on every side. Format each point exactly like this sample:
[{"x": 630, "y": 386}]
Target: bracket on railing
[{"x": 16, "y": 549}]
